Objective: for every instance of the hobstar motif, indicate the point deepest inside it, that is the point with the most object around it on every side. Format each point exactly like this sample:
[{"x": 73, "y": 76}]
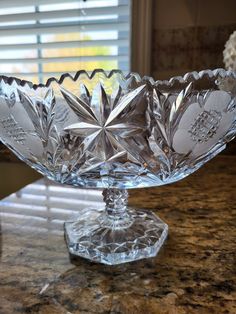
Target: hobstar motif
[{"x": 118, "y": 132}]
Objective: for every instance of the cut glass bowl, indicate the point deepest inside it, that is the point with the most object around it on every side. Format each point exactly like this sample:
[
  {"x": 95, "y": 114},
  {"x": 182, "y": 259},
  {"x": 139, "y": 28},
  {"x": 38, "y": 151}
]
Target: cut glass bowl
[{"x": 118, "y": 132}]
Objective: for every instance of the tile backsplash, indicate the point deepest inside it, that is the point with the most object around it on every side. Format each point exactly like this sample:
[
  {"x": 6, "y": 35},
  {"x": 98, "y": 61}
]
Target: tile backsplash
[
  {"x": 189, "y": 35},
  {"x": 180, "y": 50}
]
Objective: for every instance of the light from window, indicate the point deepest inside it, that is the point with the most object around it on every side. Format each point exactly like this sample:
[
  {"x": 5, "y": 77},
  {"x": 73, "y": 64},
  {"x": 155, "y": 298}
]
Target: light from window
[{"x": 45, "y": 38}]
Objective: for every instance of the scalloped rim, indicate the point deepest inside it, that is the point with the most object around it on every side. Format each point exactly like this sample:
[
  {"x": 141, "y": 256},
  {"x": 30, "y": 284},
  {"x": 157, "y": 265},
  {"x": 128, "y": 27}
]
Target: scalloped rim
[
  {"x": 195, "y": 76},
  {"x": 108, "y": 74},
  {"x": 189, "y": 76}
]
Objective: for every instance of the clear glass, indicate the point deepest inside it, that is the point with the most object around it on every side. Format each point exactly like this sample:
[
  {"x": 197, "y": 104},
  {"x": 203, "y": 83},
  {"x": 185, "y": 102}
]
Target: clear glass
[{"x": 118, "y": 132}]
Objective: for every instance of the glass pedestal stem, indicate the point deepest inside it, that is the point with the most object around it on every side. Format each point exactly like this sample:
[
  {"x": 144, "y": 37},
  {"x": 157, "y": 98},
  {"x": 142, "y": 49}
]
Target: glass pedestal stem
[{"x": 116, "y": 215}]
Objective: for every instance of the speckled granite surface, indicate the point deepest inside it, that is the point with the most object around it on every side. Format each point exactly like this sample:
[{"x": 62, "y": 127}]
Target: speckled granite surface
[{"x": 195, "y": 271}]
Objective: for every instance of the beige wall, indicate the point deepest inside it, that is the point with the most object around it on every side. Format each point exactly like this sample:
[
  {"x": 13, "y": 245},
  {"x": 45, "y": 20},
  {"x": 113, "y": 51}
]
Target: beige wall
[{"x": 190, "y": 35}]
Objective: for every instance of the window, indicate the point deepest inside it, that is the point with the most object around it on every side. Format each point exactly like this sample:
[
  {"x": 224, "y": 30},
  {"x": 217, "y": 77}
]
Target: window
[{"x": 44, "y": 38}]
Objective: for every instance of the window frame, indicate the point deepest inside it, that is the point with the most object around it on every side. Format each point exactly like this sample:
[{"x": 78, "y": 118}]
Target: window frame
[{"x": 141, "y": 33}]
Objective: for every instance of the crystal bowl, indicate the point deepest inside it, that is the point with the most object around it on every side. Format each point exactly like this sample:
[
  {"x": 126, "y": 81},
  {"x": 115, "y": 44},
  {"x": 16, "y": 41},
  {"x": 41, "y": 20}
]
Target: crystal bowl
[{"x": 118, "y": 132}]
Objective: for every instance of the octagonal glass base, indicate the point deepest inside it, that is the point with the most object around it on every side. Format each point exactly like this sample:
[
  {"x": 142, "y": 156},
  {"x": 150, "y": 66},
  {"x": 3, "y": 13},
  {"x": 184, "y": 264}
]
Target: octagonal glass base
[{"x": 115, "y": 236}]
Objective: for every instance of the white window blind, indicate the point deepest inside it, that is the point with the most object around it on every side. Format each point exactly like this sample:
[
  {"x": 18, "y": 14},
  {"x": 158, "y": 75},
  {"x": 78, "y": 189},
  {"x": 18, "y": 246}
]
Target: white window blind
[{"x": 44, "y": 38}]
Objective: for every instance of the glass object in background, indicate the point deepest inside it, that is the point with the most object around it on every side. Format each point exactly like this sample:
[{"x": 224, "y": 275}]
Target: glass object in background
[
  {"x": 40, "y": 39},
  {"x": 229, "y": 53},
  {"x": 118, "y": 132}
]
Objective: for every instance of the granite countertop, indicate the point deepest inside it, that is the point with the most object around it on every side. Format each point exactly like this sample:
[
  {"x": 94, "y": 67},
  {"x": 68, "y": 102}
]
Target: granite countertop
[{"x": 195, "y": 272}]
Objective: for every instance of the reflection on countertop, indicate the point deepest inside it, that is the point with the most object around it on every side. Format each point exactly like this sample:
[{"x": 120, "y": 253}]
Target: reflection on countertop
[
  {"x": 43, "y": 206},
  {"x": 194, "y": 272}
]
